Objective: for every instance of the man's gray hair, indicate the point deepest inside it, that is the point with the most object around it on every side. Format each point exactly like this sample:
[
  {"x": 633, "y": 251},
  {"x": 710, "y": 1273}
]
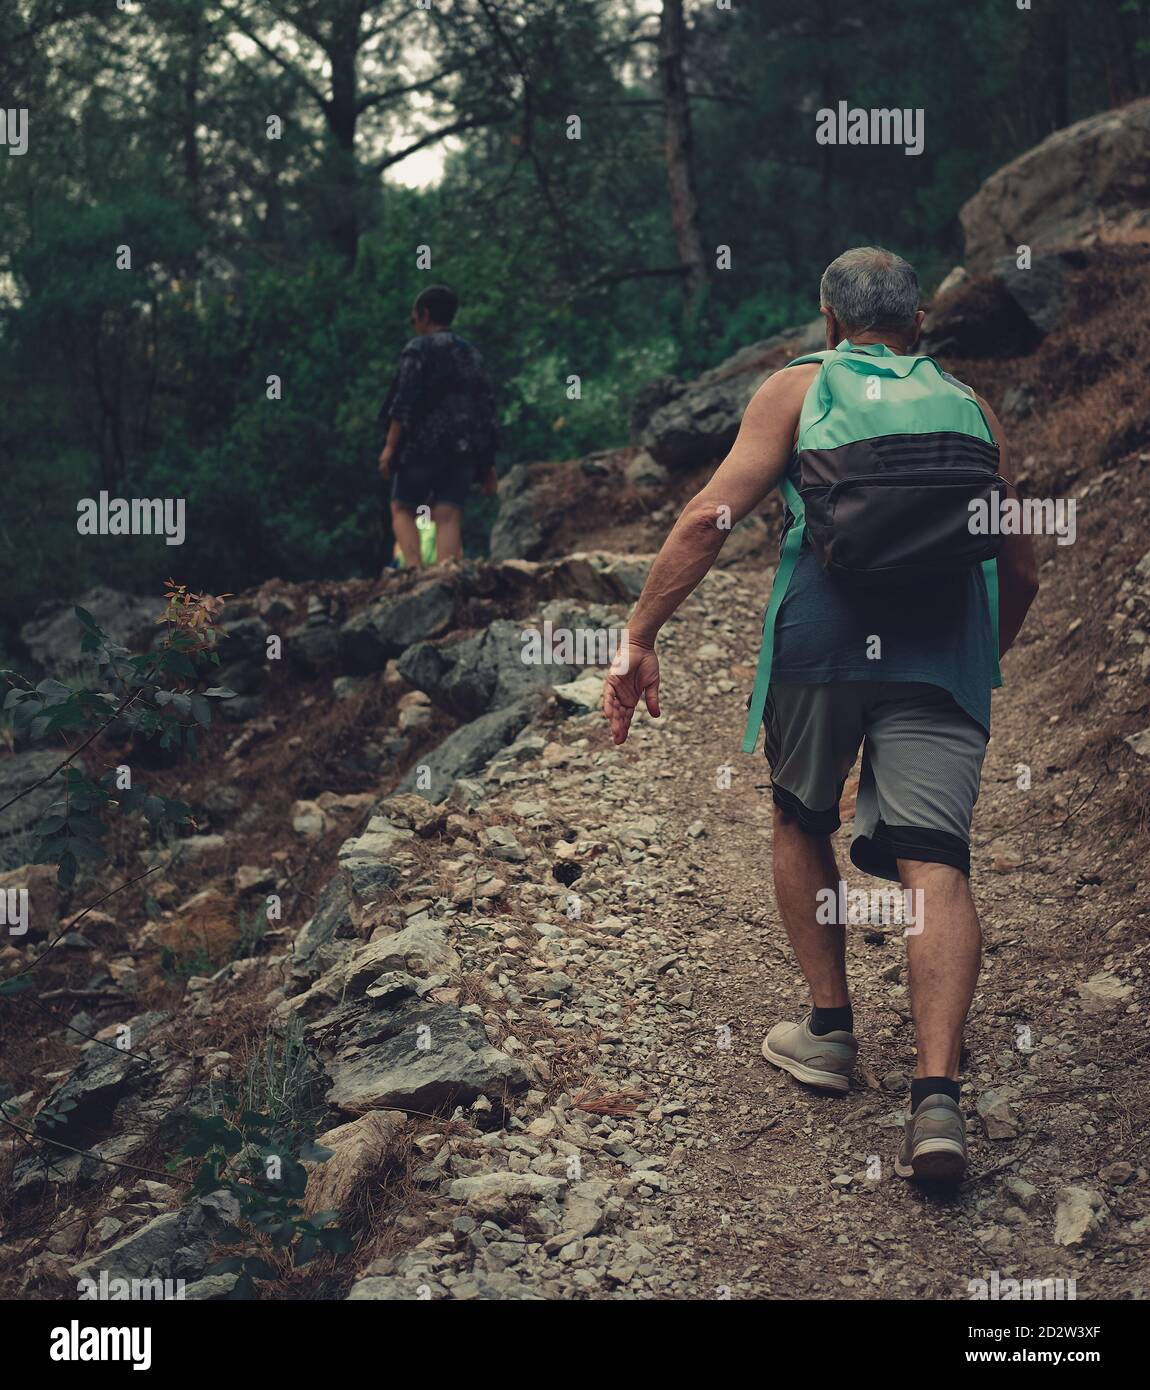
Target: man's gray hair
[{"x": 868, "y": 288}]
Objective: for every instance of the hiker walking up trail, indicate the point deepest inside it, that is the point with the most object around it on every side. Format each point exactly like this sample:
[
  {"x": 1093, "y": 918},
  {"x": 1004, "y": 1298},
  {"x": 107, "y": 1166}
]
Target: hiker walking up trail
[
  {"x": 441, "y": 428},
  {"x": 887, "y": 616}
]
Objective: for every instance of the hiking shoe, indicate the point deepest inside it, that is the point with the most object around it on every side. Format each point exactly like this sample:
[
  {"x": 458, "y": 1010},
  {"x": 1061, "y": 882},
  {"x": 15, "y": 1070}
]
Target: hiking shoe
[
  {"x": 934, "y": 1145},
  {"x": 825, "y": 1062}
]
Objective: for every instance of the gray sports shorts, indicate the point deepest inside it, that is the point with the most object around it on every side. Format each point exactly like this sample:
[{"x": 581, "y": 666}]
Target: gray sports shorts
[{"x": 921, "y": 765}]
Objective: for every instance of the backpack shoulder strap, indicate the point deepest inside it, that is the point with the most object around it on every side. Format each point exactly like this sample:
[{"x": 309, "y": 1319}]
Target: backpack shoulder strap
[
  {"x": 792, "y": 544},
  {"x": 788, "y": 556},
  {"x": 820, "y": 356}
]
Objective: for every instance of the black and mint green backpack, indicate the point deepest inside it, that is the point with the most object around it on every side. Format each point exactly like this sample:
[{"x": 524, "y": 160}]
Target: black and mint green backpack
[{"x": 891, "y": 455}]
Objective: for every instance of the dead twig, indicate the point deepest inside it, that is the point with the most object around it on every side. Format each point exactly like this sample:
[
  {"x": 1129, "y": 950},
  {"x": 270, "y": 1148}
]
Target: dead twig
[
  {"x": 32, "y": 964},
  {"x": 31, "y": 1135}
]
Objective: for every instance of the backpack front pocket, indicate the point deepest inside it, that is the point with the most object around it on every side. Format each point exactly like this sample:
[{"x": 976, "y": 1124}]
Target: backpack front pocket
[{"x": 882, "y": 528}]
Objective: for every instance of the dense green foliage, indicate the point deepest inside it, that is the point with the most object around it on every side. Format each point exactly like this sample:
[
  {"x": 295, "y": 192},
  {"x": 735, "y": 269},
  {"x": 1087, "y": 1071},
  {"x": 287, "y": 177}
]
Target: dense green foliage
[
  {"x": 254, "y": 1147},
  {"x": 296, "y": 257}
]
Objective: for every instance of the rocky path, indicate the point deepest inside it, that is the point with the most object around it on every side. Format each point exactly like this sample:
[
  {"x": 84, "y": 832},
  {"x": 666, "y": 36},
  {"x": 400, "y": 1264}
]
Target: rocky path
[
  {"x": 720, "y": 1177},
  {"x": 537, "y": 1007}
]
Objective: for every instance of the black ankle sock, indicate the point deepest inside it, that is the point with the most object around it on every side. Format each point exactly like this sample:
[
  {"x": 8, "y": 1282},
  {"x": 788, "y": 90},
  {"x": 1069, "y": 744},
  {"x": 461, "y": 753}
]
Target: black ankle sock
[
  {"x": 832, "y": 1020},
  {"x": 923, "y": 1086}
]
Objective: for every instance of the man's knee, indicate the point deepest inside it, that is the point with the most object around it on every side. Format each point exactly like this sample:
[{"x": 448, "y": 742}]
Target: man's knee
[
  {"x": 923, "y": 873},
  {"x": 788, "y": 824},
  {"x": 785, "y": 817}
]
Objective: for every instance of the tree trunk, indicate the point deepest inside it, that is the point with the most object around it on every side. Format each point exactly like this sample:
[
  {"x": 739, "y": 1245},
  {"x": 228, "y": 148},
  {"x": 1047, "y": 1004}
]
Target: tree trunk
[
  {"x": 677, "y": 151},
  {"x": 342, "y": 51},
  {"x": 190, "y": 116},
  {"x": 827, "y": 217}
]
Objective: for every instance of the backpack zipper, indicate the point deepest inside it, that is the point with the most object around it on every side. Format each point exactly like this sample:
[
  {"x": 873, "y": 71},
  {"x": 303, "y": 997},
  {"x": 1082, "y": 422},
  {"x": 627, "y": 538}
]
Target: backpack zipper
[{"x": 956, "y": 476}]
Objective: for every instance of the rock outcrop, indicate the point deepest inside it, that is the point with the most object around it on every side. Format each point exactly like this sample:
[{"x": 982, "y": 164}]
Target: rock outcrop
[
  {"x": 689, "y": 424},
  {"x": 522, "y": 528},
  {"x": 53, "y": 635},
  {"x": 1091, "y": 178},
  {"x": 1003, "y": 313}
]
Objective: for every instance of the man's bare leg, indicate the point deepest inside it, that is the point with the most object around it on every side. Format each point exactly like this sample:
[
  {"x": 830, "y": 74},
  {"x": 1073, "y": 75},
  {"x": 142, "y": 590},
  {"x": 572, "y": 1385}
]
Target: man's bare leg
[
  {"x": 820, "y": 1050},
  {"x": 944, "y": 959},
  {"x": 448, "y": 537},
  {"x": 406, "y": 534},
  {"x": 805, "y": 864}
]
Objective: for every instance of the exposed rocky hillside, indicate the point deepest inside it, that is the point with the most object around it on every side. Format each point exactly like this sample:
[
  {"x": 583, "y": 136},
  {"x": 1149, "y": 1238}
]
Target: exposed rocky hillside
[{"x": 519, "y": 977}]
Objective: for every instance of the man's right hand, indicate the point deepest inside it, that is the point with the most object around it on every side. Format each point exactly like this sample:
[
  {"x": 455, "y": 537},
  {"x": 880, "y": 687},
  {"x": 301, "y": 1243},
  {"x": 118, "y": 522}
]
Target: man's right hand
[
  {"x": 634, "y": 676},
  {"x": 385, "y": 462}
]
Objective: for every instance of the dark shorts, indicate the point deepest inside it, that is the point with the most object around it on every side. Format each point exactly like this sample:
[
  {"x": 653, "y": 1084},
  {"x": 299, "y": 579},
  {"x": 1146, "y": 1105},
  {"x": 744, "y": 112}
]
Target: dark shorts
[
  {"x": 445, "y": 480},
  {"x": 921, "y": 766}
]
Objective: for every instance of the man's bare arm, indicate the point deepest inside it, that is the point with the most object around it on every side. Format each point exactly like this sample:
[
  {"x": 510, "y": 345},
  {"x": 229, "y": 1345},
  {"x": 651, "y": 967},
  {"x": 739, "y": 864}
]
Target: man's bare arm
[
  {"x": 754, "y": 466},
  {"x": 1017, "y": 565}
]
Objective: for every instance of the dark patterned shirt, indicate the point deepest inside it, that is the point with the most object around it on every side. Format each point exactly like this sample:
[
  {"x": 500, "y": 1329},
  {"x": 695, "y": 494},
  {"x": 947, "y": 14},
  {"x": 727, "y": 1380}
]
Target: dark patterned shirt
[{"x": 442, "y": 397}]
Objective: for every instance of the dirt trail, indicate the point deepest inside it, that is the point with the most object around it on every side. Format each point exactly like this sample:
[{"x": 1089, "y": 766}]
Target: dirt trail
[
  {"x": 779, "y": 1191},
  {"x": 651, "y": 1153}
]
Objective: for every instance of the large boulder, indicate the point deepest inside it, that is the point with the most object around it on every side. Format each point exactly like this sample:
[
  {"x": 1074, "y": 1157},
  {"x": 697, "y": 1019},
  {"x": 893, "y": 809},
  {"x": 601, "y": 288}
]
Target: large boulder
[
  {"x": 597, "y": 577},
  {"x": 367, "y": 862},
  {"x": 1005, "y": 312},
  {"x": 418, "y": 950},
  {"x": 331, "y": 917},
  {"x": 174, "y": 1245},
  {"x": 1039, "y": 289},
  {"x": 468, "y": 750},
  {"x": 19, "y": 772},
  {"x": 390, "y": 625},
  {"x": 314, "y": 644},
  {"x": 53, "y": 634},
  {"x": 414, "y": 1055},
  {"x": 245, "y": 634},
  {"x": 480, "y": 673},
  {"x": 106, "y": 1108},
  {"x": 524, "y": 524},
  {"x": 80, "y": 1110},
  {"x": 687, "y": 424},
  {"x": 1094, "y": 172},
  {"x": 243, "y": 650}
]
